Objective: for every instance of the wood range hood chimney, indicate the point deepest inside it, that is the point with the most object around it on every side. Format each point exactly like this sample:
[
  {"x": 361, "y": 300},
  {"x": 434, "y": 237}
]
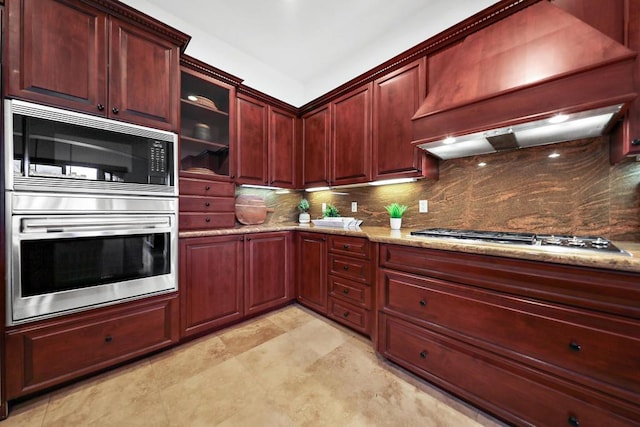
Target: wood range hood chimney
[{"x": 518, "y": 73}]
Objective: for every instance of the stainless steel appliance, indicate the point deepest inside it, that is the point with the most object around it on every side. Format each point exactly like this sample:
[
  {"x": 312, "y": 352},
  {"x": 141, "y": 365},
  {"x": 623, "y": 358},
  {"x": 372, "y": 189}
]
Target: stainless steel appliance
[
  {"x": 542, "y": 240},
  {"x": 91, "y": 211}
]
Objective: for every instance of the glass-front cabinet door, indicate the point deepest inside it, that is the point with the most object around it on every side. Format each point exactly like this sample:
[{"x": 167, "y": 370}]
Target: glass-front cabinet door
[{"x": 207, "y": 128}]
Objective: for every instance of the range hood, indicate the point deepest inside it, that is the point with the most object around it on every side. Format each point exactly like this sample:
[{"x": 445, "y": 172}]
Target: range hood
[{"x": 536, "y": 77}]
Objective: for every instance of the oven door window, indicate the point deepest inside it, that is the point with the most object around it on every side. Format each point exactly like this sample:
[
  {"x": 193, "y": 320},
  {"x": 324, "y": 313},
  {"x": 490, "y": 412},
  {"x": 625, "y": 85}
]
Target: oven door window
[
  {"x": 57, "y": 265},
  {"x": 47, "y": 148}
]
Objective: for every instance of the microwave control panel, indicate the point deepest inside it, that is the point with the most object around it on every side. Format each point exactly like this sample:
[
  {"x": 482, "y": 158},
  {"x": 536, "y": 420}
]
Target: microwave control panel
[{"x": 157, "y": 162}]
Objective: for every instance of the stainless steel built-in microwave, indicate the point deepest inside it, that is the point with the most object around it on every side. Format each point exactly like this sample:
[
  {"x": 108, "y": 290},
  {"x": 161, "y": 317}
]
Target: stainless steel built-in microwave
[{"x": 54, "y": 150}]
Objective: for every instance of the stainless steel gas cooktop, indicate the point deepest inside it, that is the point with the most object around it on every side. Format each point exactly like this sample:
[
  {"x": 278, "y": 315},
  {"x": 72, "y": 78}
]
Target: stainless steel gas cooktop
[{"x": 542, "y": 240}]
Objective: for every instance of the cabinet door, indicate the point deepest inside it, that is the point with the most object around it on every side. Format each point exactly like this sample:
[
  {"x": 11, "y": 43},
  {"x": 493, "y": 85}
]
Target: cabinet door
[
  {"x": 252, "y": 161},
  {"x": 282, "y": 148},
  {"x": 312, "y": 271},
  {"x": 57, "y": 54},
  {"x": 351, "y": 137},
  {"x": 396, "y": 97},
  {"x": 144, "y": 78},
  {"x": 316, "y": 134},
  {"x": 268, "y": 277},
  {"x": 210, "y": 282}
]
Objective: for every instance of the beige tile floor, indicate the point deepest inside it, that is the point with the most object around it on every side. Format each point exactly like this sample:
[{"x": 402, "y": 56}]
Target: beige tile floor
[{"x": 290, "y": 367}]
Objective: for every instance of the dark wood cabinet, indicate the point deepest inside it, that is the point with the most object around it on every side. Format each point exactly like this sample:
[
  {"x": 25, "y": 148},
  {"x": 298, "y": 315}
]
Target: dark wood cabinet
[
  {"x": 316, "y": 137},
  {"x": 396, "y": 98},
  {"x": 211, "y": 282},
  {"x": 51, "y": 352},
  {"x": 268, "y": 271},
  {"x": 266, "y": 144},
  {"x": 68, "y": 54},
  {"x": 351, "y": 137},
  {"x": 205, "y": 204},
  {"x": 567, "y": 335},
  {"x": 252, "y": 164},
  {"x": 311, "y": 283}
]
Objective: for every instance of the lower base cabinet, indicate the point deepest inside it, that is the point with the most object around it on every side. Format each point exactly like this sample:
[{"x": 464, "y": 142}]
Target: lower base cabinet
[
  {"x": 225, "y": 279},
  {"x": 532, "y": 343},
  {"x": 51, "y": 352}
]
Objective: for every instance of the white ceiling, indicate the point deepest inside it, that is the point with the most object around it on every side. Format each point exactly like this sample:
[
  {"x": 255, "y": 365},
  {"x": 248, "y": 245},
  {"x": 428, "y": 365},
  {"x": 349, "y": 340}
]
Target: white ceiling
[{"x": 297, "y": 50}]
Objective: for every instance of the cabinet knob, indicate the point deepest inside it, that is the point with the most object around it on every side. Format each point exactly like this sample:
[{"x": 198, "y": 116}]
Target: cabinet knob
[
  {"x": 423, "y": 303},
  {"x": 345, "y": 314},
  {"x": 232, "y": 176},
  {"x": 248, "y": 239},
  {"x": 346, "y": 267},
  {"x": 100, "y": 107},
  {"x": 207, "y": 204},
  {"x": 345, "y": 246},
  {"x": 115, "y": 110},
  {"x": 324, "y": 239},
  {"x": 346, "y": 291},
  {"x": 573, "y": 421},
  {"x": 207, "y": 220},
  {"x": 423, "y": 354},
  {"x": 207, "y": 188},
  {"x": 635, "y": 142},
  {"x": 574, "y": 346},
  {"x": 108, "y": 338}
]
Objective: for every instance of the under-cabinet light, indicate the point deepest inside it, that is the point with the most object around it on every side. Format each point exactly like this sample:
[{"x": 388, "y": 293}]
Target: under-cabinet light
[
  {"x": 482, "y": 164},
  {"x": 393, "y": 181},
  {"x": 312, "y": 189},
  {"x": 554, "y": 155},
  {"x": 263, "y": 187}
]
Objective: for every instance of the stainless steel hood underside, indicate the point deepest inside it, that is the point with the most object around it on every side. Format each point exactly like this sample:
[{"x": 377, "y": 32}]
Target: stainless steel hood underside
[{"x": 504, "y": 82}]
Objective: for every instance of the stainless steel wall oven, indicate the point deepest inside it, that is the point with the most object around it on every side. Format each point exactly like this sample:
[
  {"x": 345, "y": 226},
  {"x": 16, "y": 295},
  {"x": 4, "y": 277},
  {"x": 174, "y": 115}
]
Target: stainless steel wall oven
[{"x": 91, "y": 212}]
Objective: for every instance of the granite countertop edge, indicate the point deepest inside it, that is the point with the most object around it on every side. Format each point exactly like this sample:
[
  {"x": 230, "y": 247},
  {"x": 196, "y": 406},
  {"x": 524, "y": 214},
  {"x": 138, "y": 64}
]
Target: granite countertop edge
[{"x": 402, "y": 237}]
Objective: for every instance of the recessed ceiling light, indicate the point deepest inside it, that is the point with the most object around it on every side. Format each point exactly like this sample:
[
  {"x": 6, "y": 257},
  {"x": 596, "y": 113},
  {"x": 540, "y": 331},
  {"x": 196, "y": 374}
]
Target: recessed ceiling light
[
  {"x": 554, "y": 155},
  {"x": 559, "y": 118},
  {"x": 449, "y": 140}
]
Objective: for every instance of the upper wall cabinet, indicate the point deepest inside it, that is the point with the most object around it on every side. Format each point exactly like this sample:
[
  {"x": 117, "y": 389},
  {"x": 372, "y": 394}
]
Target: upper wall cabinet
[
  {"x": 266, "y": 144},
  {"x": 68, "y": 54},
  {"x": 396, "y": 98},
  {"x": 351, "y": 137},
  {"x": 316, "y": 136}
]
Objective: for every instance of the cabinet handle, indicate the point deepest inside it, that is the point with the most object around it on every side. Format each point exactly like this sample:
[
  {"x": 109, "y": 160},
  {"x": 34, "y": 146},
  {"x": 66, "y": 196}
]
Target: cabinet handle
[
  {"x": 573, "y": 421},
  {"x": 346, "y": 291},
  {"x": 108, "y": 338},
  {"x": 423, "y": 303},
  {"x": 115, "y": 110},
  {"x": 423, "y": 354},
  {"x": 574, "y": 346},
  {"x": 346, "y": 267},
  {"x": 207, "y": 220},
  {"x": 345, "y": 246},
  {"x": 345, "y": 314},
  {"x": 100, "y": 107},
  {"x": 207, "y": 204}
]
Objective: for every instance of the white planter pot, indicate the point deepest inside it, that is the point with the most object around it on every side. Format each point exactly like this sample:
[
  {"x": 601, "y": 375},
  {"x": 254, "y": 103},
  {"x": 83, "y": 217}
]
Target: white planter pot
[
  {"x": 396, "y": 223},
  {"x": 304, "y": 218}
]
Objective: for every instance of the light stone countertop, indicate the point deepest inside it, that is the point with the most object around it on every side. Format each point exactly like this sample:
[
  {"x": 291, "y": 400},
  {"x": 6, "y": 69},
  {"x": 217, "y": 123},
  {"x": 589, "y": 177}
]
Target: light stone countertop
[{"x": 585, "y": 258}]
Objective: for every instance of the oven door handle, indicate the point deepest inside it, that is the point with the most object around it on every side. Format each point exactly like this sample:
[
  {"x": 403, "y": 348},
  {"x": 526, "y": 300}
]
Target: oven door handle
[{"x": 75, "y": 224}]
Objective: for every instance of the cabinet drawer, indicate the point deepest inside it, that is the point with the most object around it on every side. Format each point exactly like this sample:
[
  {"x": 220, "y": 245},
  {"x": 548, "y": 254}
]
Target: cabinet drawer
[
  {"x": 206, "y": 204},
  {"x": 203, "y": 221},
  {"x": 350, "y": 246},
  {"x": 350, "y": 315},
  {"x": 350, "y": 268},
  {"x": 519, "y": 395},
  {"x": 58, "y": 351},
  {"x": 349, "y": 291},
  {"x": 202, "y": 187},
  {"x": 598, "y": 349}
]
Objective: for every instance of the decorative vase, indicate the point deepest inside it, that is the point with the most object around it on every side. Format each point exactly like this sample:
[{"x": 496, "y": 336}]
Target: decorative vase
[
  {"x": 396, "y": 223},
  {"x": 304, "y": 218}
]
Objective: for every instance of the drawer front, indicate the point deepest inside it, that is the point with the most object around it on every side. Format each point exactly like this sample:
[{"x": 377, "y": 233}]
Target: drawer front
[
  {"x": 596, "y": 347},
  {"x": 350, "y": 246},
  {"x": 350, "y": 315},
  {"x": 352, "y": 292},
  {"x": 201, "y": 187},
  {"x": 49, "y": 355},
  {"x": 350, "y": 268},
  {"x": 203, "y": 221},
  {"x": 206, "y": 204},
  {"x": 494, "y": 384}
]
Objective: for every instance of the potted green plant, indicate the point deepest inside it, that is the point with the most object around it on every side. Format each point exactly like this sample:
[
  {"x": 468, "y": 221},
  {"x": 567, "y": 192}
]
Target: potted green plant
[
  {"x": 396, "y": 211},
  {"x": 304, "y": 216},
  {"x": 331, "y": 211}
]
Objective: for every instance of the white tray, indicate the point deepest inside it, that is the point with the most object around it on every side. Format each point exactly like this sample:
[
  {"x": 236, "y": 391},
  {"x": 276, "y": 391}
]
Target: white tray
[{"x": 342, "y": 222}]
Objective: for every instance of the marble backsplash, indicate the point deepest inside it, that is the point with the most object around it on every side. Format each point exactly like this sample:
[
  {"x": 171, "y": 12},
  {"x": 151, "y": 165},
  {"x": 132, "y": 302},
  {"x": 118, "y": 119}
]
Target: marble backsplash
[{"x": 577, "y": 193}]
